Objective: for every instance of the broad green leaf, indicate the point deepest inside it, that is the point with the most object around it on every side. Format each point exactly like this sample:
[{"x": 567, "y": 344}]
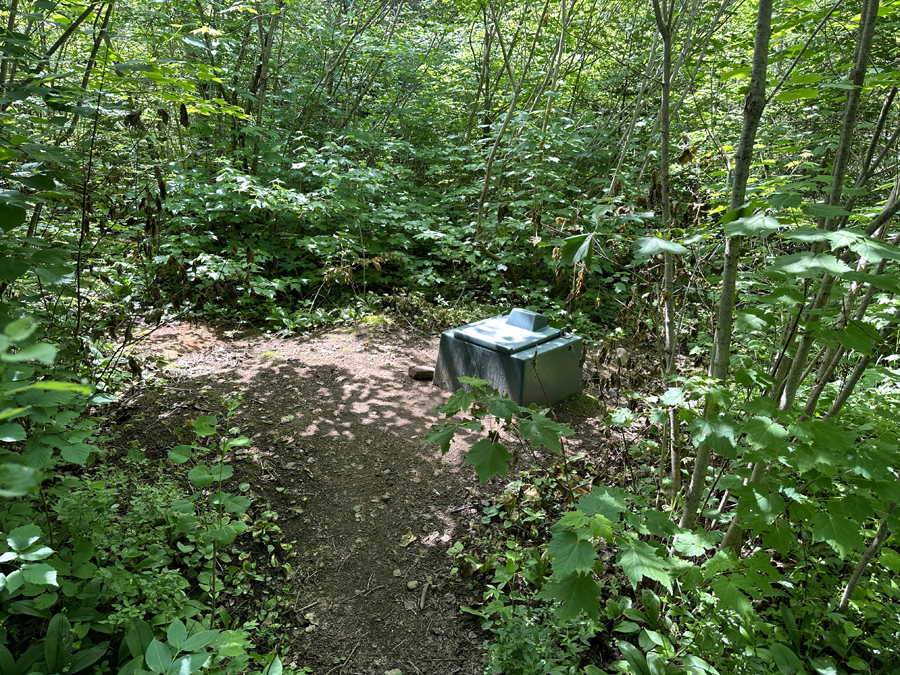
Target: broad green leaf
[
  {"x": 40, "y": 352},
  {"x": 740, "y": 73},
  {"x": 274, "y": 668},
  {"x": 158, "y": 656},
  {"x": 539, "y": 430},
  {"x": 40, "y": 574},
  {"x": 656, "y": 523},
  {"x": 782, "y": 200},
  {"x": 39, "y": 181},
  {"x": 33, "y": 553},
  {"x": 199, "y": 640},
  {"x": 229, "y": 502},
  {"x": 875, "y": 250},
  {"x": 647, "y": 247},
  {"x": 11, "y": 432},
  {"x": 731, "y": 596},
  {"x": 459, "y": 400},
  {"x": 442, "y": 436},
  {"x": 176, "y": 634},
  {"x": 638, "y": 560},
  {"x": 826, "y": 445},
  {"x": 503, "y": 408},
  {"x": 20, "y": 329},
  {"x": 58, "y": 642},
  {"x": 600, "y": 527},
  {"x": 14, "y": 581},
  {"x": 577, "y": 592},
  {"x": 859, "y": 337},
  {"x": 635, "y": 658},
  {"x": 883, "y": 282},
  {"x": 239, "y": 442},
  {"x": 228, "y": 533},
  {"x": 181, "y": 454},
  {"x": 200, "y": 476},
  {"x": 604, "y": 501},
  {"x": 854, "y": 506},
  {"x": 752, "y": 377},
  {"x": 749, "y": 226},
  {"x": 190, "y": 663},
  {"x": 718, "y": 430},
  {"x": 797, "y": 94},
  {"x": 694, "y": 544},
  {"x": 11, "y": 216},
  {"x": 237, "y": 504},
  {"x": 824, "y": 210},
  {"x": 77, "y": 453},
  {"x": 222, "y": 472},
  {"x": 205, "y": 425},
  {"x": 135, "y": 66},
  {"x": 673, "y": 396},
  {"x": 841, "y": 533},
  {"x": 571, "y": 553},
  {"x": 11, "y": 268},
  {"x": 807, "y": 264},
  {"x": 806, "y": 234},
  {"x": 863, "y": 245},
  {"x": 23, "y": 537},
  {"x": 890, "y": 559},
  {"x": 757, "y": 505},
  {"x": 488, "y": 458},
  {"x": 38, "y": 455},
  {"x": 763, "y": 432},
  {"x": 48, "y": 385},
  {"x": 785, "y": 659},
  {"x": 753, "y": 319},
  {"x": 652, "y": 606},
  {"x": 138, "y": 638},
  {"x": 229, "y": 643},
  {"x": 823, "y": 665},
  {"x": 17, "y": 480},
  {"x": 577, "y": 249},
  {"x": 87, "y": 657}
]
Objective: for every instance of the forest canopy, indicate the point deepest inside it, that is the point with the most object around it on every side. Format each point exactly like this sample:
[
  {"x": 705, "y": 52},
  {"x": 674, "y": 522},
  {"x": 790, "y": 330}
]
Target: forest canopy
[{"x": 713, "y": 183}]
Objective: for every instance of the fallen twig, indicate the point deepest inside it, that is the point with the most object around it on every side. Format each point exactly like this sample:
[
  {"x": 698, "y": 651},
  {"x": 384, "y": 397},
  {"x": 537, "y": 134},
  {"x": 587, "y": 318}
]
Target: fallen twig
[{"x": 424, "y": 593}]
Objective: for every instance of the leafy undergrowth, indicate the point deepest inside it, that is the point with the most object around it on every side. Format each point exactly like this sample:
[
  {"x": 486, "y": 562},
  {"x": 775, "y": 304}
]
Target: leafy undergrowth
[
  {"x": 590, "y": 577},
  {"x": 123, "y": 566}
]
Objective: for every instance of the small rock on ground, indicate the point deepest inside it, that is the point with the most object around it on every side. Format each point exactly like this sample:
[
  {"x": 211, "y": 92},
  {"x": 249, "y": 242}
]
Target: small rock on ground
[{"x": 421, "y": 372}]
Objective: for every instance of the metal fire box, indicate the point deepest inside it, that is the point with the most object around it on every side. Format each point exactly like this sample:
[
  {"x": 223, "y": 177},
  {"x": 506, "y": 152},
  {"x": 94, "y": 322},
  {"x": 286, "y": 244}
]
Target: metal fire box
[{"x": 516, "y": 353}]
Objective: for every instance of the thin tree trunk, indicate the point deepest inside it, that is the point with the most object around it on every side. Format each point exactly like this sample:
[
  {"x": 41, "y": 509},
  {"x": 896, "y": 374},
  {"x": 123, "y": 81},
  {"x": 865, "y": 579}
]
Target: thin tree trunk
[
  {"x": 880, "y": 537},
  {"x": 753, "y": 109},
  {"x": 92, "y": 60},
  {"x": 517, "y": 88},
  {"x": 267, "y": 39},
  {"x": 10, "y": 27}
]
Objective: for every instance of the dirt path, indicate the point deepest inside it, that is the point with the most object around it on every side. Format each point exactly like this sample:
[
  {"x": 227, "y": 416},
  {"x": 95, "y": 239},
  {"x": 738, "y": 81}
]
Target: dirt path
[{"x": 337, "y": 427}]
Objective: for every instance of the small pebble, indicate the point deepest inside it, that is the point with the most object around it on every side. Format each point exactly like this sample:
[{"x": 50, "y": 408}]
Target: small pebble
[{"x": 412, "y": 585}]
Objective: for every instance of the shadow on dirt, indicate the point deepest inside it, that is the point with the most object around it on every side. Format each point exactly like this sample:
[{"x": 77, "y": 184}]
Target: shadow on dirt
[{"x": 337, "y": 449}]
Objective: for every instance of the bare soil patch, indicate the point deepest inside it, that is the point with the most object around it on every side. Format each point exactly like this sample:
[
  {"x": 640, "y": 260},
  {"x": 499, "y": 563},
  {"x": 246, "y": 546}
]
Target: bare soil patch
[{"x": 337, "y": 429}]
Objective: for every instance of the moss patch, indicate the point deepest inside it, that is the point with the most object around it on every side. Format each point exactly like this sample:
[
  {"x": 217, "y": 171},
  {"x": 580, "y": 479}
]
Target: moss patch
[
  {"x": 377, "y": 320},
  {"x": 579, "y": 407}
]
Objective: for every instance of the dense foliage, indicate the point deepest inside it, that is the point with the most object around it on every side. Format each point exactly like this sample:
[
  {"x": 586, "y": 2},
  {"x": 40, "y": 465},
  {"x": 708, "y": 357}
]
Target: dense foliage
[{"x": 712, "y": 182}]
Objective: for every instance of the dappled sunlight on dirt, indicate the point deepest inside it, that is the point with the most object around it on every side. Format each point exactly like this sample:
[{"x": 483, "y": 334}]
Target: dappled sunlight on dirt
[{"x": 336, "y": 429}]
